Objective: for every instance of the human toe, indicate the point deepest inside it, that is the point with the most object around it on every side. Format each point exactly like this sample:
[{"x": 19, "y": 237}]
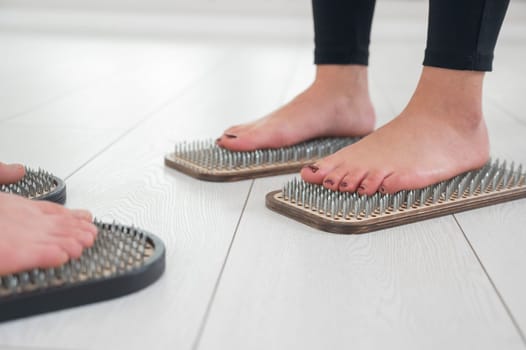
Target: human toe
[
  {"x": 333, "y": 180},
  {"x": 308, "y": 173},
  {"x": 35, "y": 256},
  {"x": 317, "y": 172},
  {"x": 49, "y": 255},
  {"x": 71, "y": 246},
  {"x": 11, "y": 173},
  {"x": 88, "y": 228},
  {"x": 371, "y": 183},
  {"x": 86, "y": 239},
  {"x": 345, "y": 184},
  {"x": 352, "y": 180},
  {"x": 82, "y": 214},
  {"x": 396, "y": 182},
  {"x": 231, "y": 133}
]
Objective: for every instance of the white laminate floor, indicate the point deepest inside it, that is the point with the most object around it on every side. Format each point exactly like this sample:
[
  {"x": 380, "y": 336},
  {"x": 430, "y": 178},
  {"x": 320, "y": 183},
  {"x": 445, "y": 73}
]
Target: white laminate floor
[{"x": 102, "y": 110}]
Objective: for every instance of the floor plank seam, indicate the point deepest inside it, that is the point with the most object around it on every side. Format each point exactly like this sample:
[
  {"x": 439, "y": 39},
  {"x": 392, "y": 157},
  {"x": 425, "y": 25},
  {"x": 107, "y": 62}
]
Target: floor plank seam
[
  {"x": 148, "y": 116},
  {"x": 200, "y": 332},
  {"x": 283, "y": 94},
  {"x": 493, "y": 285}
]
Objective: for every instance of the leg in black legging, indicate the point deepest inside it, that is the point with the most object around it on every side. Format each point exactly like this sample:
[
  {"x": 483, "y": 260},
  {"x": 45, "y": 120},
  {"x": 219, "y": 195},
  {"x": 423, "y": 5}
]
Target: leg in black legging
[
  {"x": 462, "y": 34},
  {"x": 342, "y": 29}
]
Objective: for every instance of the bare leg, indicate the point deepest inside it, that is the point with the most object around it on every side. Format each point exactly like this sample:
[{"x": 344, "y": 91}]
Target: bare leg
[
  {"x": 11, "y": 173},
  {"x": 440, "y": 134},
  {"x": 336, "y": 104},
  {"x": 40, "y": 234}
]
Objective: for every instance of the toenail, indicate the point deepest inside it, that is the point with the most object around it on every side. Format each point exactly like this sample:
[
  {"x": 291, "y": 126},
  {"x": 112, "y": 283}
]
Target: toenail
[
  {"x": 218, "y": 139},
  {"x": 344, "y": 184},
  {"x": 313, "y": 168},
  {"x": 231, "y": 136},
  {"x": 329, "y": 182},
  {"x": 382, "y": 189}
]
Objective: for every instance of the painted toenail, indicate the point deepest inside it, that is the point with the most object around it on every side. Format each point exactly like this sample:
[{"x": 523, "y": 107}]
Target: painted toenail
[
  {"x": 329, "y": 182},
  {"x": 313, "y": 168},
  {"x": 344, "y": 184},
  {"x": 231, "y": 136}
]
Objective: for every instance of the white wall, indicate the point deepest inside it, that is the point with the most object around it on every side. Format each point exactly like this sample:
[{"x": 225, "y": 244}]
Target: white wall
[
  {"x": 291, "y": 18},
  {"x": 260, "y": 7},
  {"x": 254, "y": 7}
]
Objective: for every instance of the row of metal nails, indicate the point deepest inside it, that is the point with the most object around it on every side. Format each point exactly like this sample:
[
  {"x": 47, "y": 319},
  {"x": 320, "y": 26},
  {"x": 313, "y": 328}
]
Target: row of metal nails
[
  {"x": 207, "y": 154},
  {"x": 116, "y": 250},
  {"x": 492, "y": 177},
  {"x": 34, "y": 183}
]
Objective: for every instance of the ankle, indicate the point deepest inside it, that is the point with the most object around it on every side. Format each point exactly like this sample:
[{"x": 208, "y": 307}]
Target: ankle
[
  {"x": 453, "y": 96},
  {"x": 346, "y": 79}
]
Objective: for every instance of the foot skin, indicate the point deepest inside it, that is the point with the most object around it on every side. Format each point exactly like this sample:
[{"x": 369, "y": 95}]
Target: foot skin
[
  {"x": 40, "y": 234},
  {"x": 11, "y": 173},
  {"x": 336, "y": 104},
  {"x": 440, "y": 134}
]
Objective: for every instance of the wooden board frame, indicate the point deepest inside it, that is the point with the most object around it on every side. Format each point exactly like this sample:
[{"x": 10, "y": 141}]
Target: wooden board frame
[
  {"x": 249, "y": 170},
  {"x": 253, "y": 172},
  {"x": 274, "y": 201}
]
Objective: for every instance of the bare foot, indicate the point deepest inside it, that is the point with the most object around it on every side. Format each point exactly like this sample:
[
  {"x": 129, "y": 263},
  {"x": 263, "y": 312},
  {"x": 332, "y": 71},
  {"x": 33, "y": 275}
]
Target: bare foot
[
  {"x": 40, "y": 234},
  {"x": 11, "y": 173},
  {"x": 336, "y": 104},
  {"x": 440, "y": 134}
]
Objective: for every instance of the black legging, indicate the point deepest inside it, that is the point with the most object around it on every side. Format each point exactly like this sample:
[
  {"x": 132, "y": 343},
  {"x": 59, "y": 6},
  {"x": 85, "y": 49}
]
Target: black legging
[{"x": 461, "y": 33}]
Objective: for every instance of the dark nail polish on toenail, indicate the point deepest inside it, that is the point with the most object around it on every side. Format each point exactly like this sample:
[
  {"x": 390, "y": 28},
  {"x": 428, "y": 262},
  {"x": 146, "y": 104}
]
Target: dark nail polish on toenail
[
  {"x": 329, "y": 182},
  {"x": 313, "y": 168},
  {"x": 231, "y": 136}
]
